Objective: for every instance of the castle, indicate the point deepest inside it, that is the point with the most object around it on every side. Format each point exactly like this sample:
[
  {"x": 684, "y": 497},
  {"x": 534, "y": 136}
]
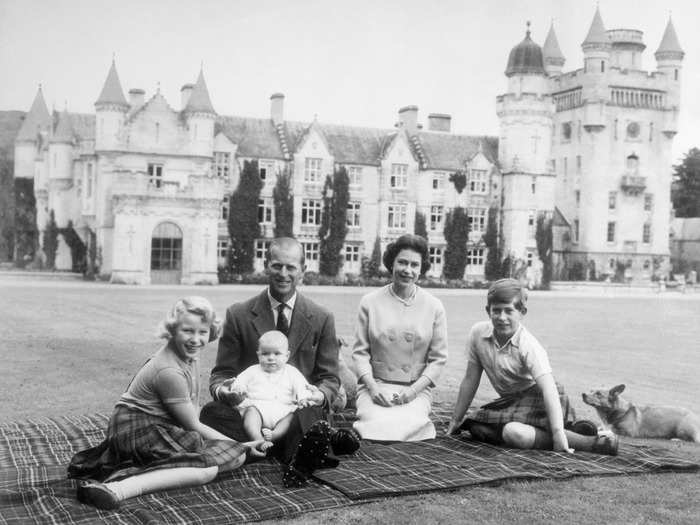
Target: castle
[{"x": 148, "y": 184}]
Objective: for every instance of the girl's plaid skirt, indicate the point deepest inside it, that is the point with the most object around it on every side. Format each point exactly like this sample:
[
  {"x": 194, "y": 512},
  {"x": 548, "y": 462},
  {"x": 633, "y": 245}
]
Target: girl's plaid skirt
[
  {"x": 526, "y": 406},
  {"x": 137, "y": 442}
]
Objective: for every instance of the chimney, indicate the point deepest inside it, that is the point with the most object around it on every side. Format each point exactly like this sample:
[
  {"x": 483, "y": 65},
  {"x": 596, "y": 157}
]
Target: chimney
[
  {"x": 136, "y": 98},
  {"x": 408, "y": 118},
  {"x": 185, "y": 92},
  {"x": 439, "y": 122},
  {"x": 277, "y": 108}
]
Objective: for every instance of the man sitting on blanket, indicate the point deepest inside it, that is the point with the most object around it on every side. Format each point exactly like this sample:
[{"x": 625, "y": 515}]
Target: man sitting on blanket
[{"x": 532, "y": 409}]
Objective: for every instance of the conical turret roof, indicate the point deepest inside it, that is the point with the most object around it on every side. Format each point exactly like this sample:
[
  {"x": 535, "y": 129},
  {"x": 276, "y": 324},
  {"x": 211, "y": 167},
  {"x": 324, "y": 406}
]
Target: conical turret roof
[
  {"x": 669, "y": 42},
  {"x": 64, "y": 129},
  {"x": 525, "y": 58},
  {"x": 38, "y": 117},
  {"x": 551, "y": 49},
  {"x": 112, "y": 92},
  {"x": 199, "y": 101},
  {"x": 596, "y": 33}
]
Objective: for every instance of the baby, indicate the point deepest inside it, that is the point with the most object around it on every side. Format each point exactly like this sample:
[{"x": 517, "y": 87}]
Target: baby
[{"x": 271, "y": 390}]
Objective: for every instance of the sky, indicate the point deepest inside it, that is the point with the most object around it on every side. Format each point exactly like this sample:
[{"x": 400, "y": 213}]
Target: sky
[{"x": 353, "y": 62}]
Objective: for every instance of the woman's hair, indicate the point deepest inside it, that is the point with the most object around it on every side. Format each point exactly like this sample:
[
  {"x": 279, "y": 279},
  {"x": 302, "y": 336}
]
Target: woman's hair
[
  {"x": 193, "y": 305},
  {"x": 505, "y": 291},
  {"x": 408, "y": 241}
]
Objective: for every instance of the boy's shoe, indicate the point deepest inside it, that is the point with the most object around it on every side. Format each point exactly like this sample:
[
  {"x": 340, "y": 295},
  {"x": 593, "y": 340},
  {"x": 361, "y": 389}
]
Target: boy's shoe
[
  {"x": 309, "y": 455},
  {"x": 584, "y": 427},
  {"x": 344, "y": 441},
  {"x": 97, "y": 494},
  {"x": 607, "y": 444}
]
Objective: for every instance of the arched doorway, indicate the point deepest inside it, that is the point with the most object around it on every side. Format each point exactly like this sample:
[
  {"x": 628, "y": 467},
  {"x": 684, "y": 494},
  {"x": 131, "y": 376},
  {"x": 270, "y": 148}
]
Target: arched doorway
[{"x": 166, "y": 254}]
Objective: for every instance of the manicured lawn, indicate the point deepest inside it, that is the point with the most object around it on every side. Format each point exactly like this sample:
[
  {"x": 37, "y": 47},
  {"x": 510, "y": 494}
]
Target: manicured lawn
[{"x": 71, "y": 348}]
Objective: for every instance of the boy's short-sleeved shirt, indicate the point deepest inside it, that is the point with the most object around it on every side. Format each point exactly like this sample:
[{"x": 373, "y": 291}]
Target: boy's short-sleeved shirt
[{"x": 512, "y": 367}]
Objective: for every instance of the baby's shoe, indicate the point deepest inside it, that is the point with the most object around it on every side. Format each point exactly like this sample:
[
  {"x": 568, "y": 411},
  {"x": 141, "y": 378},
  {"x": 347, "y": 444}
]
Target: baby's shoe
[{"x": 344, "y": 441}]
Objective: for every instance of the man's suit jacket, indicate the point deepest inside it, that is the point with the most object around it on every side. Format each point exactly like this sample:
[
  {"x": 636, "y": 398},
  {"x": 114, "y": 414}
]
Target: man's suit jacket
[{"x": 313, "y": 345}]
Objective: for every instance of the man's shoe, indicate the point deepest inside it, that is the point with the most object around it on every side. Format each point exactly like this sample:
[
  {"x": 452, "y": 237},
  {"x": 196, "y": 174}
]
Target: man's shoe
[
  {"x": 97, "y": 494},
  {"x": 309, "y": 455},
  {"x": 345, "y": 441},
  {"x": 606, "y": 444},
  {"x": 584, "y": 427}
]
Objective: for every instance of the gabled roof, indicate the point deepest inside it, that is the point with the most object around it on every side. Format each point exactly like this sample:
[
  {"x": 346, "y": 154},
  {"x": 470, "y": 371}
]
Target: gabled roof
[
  {"x": 10, "y": 124},
  {"x": 669, "y": 42},
  {"x": 596, "y": 33},
  {"x": 64, "y": 129},
  {"x": 112, "y": 92},
  {"x": 451, "y": 152},
  {"x": 558, "y": 218},
  {"x": 199, "y": 101},
  {"x": 255, "y": 137},
  {"x": 551, "y": 49},
  {"x": 38, "y": 117}
]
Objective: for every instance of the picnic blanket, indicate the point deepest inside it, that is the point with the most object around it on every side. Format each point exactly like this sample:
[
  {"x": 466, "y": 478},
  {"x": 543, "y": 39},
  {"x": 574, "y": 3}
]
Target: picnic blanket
[{"x": 34, "y": 487}]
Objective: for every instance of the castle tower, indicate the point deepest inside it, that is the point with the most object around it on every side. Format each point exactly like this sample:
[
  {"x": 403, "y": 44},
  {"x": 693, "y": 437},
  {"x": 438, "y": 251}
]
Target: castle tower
[
  {"x": 669, "y": 60},
  {"x": 525, "y": 113},
  {"x": 111, "y": 108},
  {"x": 34, "y": 129},
  {"x": 553, "y": 57},
  {"x": 596, "y": 47},
  {"x": 200, "y": 116}
]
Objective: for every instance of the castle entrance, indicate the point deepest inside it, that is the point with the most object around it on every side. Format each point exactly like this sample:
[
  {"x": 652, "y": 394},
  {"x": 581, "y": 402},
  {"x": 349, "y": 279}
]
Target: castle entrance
[{"x": 166, "y": 254}]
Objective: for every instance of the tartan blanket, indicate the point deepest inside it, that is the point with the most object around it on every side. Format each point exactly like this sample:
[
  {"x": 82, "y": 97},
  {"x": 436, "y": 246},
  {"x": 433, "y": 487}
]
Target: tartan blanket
[{"x": 34, "y": 488}]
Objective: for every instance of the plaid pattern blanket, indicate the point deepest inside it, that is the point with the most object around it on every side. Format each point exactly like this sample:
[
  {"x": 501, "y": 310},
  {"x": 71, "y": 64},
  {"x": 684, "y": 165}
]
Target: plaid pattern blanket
[{"x": 34, "y": 487}]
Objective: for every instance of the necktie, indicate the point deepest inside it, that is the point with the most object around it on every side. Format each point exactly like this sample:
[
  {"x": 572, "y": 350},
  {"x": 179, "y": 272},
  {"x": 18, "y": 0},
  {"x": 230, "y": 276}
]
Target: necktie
[{"x": 282, "y": 324}]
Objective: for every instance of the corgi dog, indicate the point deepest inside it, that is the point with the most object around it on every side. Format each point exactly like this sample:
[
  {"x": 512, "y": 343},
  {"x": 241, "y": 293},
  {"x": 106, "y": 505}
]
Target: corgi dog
[{"x": 627, "y": 419}]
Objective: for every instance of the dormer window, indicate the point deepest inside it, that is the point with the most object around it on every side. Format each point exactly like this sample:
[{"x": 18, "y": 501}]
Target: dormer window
[
  {"x": 399, "y": 176},
  {"x": 222, "y": 164},
  {"x": 312, "y": 170}
]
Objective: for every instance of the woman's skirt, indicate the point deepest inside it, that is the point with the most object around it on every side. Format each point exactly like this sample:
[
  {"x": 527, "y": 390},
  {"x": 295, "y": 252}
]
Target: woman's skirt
[
  {"x": 409, "y": 422},
  {"x": 137, "y": 442},
  {"x": 526, "y": 406}
]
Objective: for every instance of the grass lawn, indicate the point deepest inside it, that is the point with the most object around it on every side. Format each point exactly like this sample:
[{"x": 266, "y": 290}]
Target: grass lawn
[{"x": 71, "y": 348}]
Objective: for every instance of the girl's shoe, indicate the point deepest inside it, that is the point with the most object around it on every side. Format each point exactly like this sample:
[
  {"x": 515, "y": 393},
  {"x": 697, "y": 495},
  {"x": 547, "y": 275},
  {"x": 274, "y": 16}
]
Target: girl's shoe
[{"x": 97, "y": 494}]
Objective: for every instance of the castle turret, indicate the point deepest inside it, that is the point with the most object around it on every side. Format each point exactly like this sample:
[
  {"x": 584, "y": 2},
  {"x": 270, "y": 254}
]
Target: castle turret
[
  {"x": 110, "y": 108},
  {"x": 60, "y": 161},
  {"x": 526, "y": 113},
  {"x": 669, "y": 60},
  {"x": 596, "y": 47},
  {"x": 553, "y": 57},
  {"x": 200, "y": 116},
  {"x": 34, "y": 129}
]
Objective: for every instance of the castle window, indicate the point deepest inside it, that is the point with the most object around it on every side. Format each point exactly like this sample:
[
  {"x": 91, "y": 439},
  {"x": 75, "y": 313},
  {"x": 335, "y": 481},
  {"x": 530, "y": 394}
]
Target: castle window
[
  {"x": 646, "y": 233},
  {"x": 611, "y": 232},
  {"x": 531, "y": 224},
  {"x": 222, "y": 249},
  {"x": 436, "y": 215},
  {"x": 612, "y": 200},
  {"x": 224, "y": 208},
  {"x": 222, "y": 164},
  {"x": 533, "y": 185},
  {"x": 602, "y": 66},
  {"x": 310, "y": 250},
  {"x": 476, "y": 217},
  {"x": 675, "y": 74},
  {"x": 311, "y": 212},
  {"x": 352, "y": 253},
  {"x": 566, "y": 131},
  {"x": 648, "y": 202},
  {"x": 475, "y": 257},
  {"x": 155, "y": 175},
  {"x": 266, "y": 211},
  {"x": 435, "y": 257},
  {"x": 312, "y": 170},
  {"x": 261, "y": 247},
  {"x": 355, "y": 175},
  {"x": 352, "y": 217},
  {"x": 89, "y": 180},
  {"x": 438, "y": 181},
  {"x": 530, "y": 257},
  {"x": 399, "y": 175},
  {"x": 576, "y": 230},
  {"x": 396, "y": 217},
  {"x": 478, "y": 181},
  {"x": 577, "y": 197},
  {"x": 265, "y": 168}
]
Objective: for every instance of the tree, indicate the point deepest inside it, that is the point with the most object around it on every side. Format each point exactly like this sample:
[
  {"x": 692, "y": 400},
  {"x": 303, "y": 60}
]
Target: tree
[
  {"x": 419, "y": 227},
  {"x": 284, "y": 204},
  {"x": 372, "y": 267},
  {"x": 7, "y": 207},
  {"x": 78, "y": 250},
  {"x": 26, "y": 233},
  {"x": 334, "y": 226},
  {"x": 456, "y": 237},
  {"x": 492, "y": 269},
  {"x": 459, "y": 179},
  {"x": 544, "y": 239},
  {"x": 686, "y": 185},
  {"x": 50, "y": 246},
  {"x": 243, "y": 221}
]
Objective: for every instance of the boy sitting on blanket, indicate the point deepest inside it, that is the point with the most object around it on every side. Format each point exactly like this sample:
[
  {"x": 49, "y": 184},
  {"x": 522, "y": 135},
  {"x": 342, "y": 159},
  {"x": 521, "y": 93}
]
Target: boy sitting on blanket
[{"x": 532, "y": 411}]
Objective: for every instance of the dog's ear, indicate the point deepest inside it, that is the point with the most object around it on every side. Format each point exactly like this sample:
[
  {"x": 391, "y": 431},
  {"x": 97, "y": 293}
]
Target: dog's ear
[{"x": 616, "y": 390}]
